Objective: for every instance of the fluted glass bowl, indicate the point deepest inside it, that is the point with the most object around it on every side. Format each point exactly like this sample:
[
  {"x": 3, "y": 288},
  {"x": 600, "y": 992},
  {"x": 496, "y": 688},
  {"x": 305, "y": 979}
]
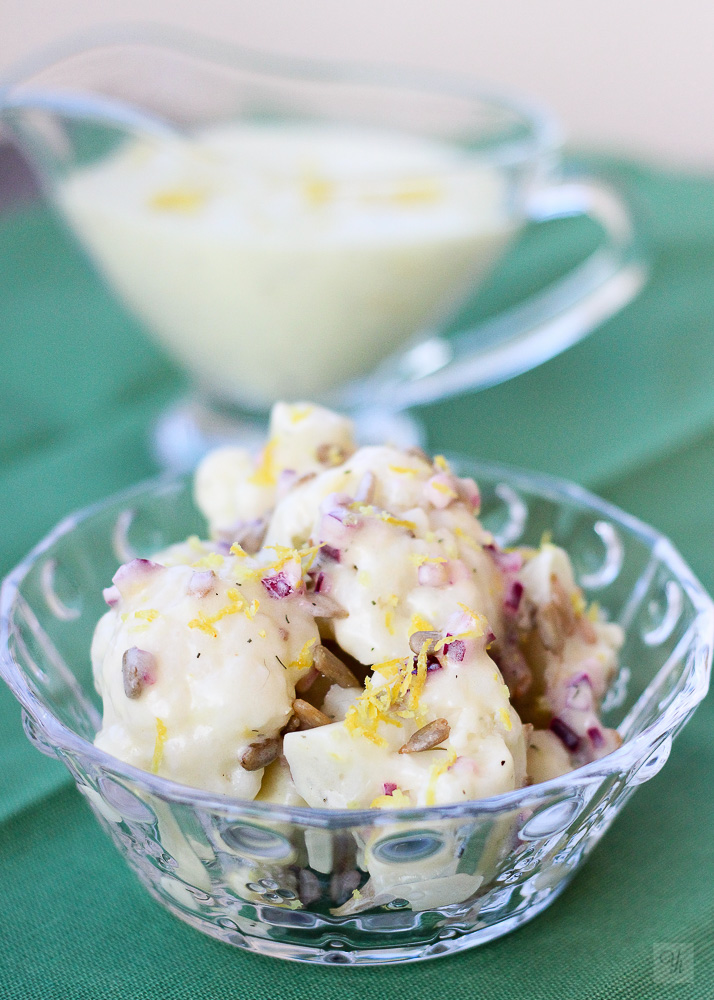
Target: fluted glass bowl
[{"x": 360, "y": 886}]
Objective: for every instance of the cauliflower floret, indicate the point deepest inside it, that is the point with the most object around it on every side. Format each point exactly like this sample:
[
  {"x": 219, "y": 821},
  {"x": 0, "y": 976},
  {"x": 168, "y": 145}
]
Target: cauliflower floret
[
  {"x": 216, "y": 660},
  {"x": 194, "y": 667},
  {"x": 234, "y": 490}
]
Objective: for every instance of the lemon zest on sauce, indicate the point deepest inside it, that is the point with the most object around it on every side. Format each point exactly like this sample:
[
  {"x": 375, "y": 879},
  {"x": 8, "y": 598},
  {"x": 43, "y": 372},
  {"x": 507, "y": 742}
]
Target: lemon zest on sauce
[
  {"x": 305, "y": 657},
  {"x": 419, "y": 624},
  {"x": 177, "y": 200},
  {"x": 419, "y": 559},
  {"x": 298, "y": 413},
  {"x": 392, "y": 601},
  {"x": 460, "y": 533},
  {"x": 161, "y": 733},
  {"x": 441, "y": 463},
  {"x": 443, "y": 488},
  {"x": 397, "y": 800},
  {"x": 265, "y": 472},
  {"x": 578, "y": 602},
  {"x": 150, "y": 614},
  {"x": 317, "y": 190},
  {"x": 390, "y": 519},
  {"x": 214, "y": 560},
  {"x": 434, "y": 774},
  {"x": 206, "y": 622}
]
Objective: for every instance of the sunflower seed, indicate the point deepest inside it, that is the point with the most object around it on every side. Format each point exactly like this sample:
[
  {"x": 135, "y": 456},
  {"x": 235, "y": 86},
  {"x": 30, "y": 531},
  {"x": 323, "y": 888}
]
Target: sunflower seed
[
  {"x": 310, "y": 716},
  {"x": 322, "y": 606},
  {"x": 138, "y": 668},
  {"x": 427, "y": 737},
  {"x": 260, "y": 754},
  {"x": 332, "y": 666},
  {"x": 417, "y": 640}
]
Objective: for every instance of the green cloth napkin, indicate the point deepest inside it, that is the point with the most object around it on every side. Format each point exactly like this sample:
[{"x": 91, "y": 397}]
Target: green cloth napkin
[{"x": 628, "y": 412}]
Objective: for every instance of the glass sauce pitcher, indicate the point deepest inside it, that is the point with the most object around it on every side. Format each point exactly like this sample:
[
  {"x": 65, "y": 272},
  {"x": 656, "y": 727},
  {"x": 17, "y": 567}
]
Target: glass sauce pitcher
[{"x": 294, "y": 229}]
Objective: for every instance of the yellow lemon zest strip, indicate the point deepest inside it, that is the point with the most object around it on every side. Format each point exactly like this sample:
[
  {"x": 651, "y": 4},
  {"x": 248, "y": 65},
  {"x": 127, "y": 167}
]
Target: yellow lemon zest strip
[
  {"x": 460, "y": 533},
  {"x": 578, "y": 602},
  {"x": 434, "y": 774},
  {"x": 443, "y": 488},
  {"x": 206, "y": 622},
  {"x": 265, "y": 472},
  {"x": 177, "y": 200},
  {"x": 418, "y": 558},
  {"x": 214, "y": 560},
  {"x": 298, "y": 413},
  {"x": 419, "y": 624},
  {"x": 397, "y": 800},
  {"x": 305, "y": 658},
  {"x": 151, "y": 614},
  {"x": 161, "y": 732}
]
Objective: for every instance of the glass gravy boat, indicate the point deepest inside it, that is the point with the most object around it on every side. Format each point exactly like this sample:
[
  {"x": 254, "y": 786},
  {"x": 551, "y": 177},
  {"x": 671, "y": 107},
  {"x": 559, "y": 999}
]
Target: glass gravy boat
[{"x": 293, "y": 229}]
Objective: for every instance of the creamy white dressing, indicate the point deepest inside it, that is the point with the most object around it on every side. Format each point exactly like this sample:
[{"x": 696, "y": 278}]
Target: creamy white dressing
[{"x": 275, "y": 259}]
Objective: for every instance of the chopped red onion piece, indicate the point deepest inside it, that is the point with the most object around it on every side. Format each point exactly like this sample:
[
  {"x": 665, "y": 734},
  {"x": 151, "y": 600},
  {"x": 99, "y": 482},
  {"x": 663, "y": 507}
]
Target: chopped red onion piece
[
  {"x": 138, "y": 668},
  {"x": 330, "y": 552},
  {"x": 334, "y": 529},
  {"x": 507, "y": 562},
  {"x": 111, "y": 595},
  {"x": 514, "y": 593},
  {"x": 277, "y": 586},
  {"x": 455, "y": 650},
  {"x": 433, "y": 574},
  {"x": 432, "y": 663},
  {"x": 596, "y": 737},
  {"x": 579, "y": 693},
  {"x": 337, "y": 505},
  {"x": 565, "y": 734},
  {"x": 389, "y": 787},
  {"x": 201, "y": 582},
  {"x": 134, "y": 571}
]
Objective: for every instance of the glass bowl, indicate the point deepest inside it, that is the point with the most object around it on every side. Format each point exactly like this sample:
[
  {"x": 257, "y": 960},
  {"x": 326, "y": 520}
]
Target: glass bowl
[{"x": 360, "y": 886}]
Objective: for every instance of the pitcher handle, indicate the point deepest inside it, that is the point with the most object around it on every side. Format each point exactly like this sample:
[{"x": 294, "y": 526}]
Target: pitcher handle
[{"x": 537, "y": 329}]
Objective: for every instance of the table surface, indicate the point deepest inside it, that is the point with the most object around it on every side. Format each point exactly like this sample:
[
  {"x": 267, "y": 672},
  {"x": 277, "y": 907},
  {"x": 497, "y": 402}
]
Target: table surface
[{"x": 629, "y": 412}]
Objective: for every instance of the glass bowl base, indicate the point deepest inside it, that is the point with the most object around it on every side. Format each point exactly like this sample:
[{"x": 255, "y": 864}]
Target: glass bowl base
[{"x": 446, "y": 935}]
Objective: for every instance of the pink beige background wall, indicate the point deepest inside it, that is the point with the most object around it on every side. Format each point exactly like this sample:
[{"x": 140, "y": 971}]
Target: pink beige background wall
[{"x": 629, "y": 75}]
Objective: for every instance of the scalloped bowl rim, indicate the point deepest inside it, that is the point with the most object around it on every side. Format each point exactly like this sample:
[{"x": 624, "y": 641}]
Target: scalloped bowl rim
[{"x": 549, "y": 487}]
